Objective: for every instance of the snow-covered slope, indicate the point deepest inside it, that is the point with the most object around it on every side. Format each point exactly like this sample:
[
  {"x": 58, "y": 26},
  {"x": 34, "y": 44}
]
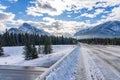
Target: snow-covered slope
[
  {"x": 15, "y": 31},
  {"x": 108, "y": 29},
  {"x": 27, "y": 28},
  {"x": 82, "y": 31}
]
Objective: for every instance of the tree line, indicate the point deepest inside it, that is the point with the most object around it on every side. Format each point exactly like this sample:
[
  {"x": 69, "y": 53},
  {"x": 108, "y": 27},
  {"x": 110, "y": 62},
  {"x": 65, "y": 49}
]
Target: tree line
[
  {"x": 30, "y": 40},
  {"x": 20, "y": 39},
  {"x": 101, "y": 41},
  {"x": 31, "y": 52}
]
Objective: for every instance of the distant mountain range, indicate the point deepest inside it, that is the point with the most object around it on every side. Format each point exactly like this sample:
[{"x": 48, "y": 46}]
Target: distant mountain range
[
  {"x": 106, "y": 30},
  {"x": 27, "y": 28}
]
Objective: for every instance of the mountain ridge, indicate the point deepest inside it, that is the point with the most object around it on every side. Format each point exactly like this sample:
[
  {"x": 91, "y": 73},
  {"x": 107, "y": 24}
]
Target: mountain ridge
[
  {"x": 27, "y": 28},
  {"x": 107, "y": 29}
]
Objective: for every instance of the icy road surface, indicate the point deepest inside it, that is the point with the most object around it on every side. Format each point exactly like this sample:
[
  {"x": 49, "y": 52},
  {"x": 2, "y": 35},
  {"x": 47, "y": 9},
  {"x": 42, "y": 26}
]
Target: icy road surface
[{"x": 97, "y": 62}]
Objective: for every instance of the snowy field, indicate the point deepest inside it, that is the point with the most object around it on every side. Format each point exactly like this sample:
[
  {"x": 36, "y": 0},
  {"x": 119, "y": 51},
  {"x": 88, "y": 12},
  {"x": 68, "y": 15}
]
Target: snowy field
[{"x": 14, "y": 56}]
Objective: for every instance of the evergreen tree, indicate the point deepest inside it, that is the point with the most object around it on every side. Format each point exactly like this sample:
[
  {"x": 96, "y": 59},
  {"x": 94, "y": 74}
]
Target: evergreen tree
[
  {"x": 11, "y": 39},
  {"x": 1, "y": 49},
  {"x": 27, "y": 51},
  {"x": 30, "y": 51},
  {"x": 47, "y": 45},
  {"x": 34, "y": 52},
  {"x": 40, "y": 49},
  {"x": 6, "y": 38}
]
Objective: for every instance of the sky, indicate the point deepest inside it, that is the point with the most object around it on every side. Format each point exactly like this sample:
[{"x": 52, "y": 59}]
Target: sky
[{"x": 58, "y": 17}]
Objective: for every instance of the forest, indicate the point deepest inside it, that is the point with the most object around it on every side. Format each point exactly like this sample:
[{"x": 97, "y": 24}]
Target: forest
[
  {"x": 101, "y": 41},
  {"x": 8, "y": 39}
]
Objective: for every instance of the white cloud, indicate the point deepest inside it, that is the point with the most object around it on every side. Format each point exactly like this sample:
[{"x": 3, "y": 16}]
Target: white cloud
[
  {"x": 68, "y": 15},
  {"x": 101, "y": 4},
  {"x": 57, "y": 7},
  {"x": 55, "y": 27},
  {"x": 114, "y": 15},
  {"x": 97, "y": 12},
  {"x": 59, "y": 27},
  {"x": 48, "y": 19},
  {"x": 32, "y": 11},
  {"x": 6, "y": 16},
  {"x": 2, "y": 27},
  {"x": 2, "y": 7},
  {"x": 87, "y": 15},
  {"x": 106, "y": 3}
]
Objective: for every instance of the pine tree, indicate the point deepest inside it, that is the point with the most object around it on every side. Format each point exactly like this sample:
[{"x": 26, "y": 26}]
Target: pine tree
[
  {"x": 40, "y": 49},
  {"x": 34, "y": 52},
  {"x": 47, "y": 45},
  {"x": 1, "y": 49},
  {"x": 50, "y": 45},
  {"x": 6, "y": 38},
  {"x": 30, "y": 51},
  {"x": 27, "y": 51}
]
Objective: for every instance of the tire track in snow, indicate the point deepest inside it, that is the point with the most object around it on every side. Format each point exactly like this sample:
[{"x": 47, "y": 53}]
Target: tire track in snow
[{"x": 81, "y": 72}]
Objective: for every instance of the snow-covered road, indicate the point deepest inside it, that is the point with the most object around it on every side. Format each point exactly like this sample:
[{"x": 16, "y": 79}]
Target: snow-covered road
[{"x": 98, "y": 62}]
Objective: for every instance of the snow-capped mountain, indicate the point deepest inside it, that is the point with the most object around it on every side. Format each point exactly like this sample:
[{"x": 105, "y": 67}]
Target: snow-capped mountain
[
  {"x": 27, "y": 28},
  {"x": 32, "y": 30},
  {"x": 108, "y": 29},
  {"x": 82, "y": 31}
]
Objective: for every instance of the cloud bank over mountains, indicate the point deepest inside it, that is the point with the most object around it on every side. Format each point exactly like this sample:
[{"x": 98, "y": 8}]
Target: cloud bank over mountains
[{"x": 60, "y": 17}]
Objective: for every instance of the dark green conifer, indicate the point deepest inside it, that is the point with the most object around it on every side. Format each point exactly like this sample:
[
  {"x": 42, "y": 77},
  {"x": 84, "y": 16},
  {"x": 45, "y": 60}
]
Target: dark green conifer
[
  {"x": 1, "y": 49},
  {"x": 47, "y": 45}
]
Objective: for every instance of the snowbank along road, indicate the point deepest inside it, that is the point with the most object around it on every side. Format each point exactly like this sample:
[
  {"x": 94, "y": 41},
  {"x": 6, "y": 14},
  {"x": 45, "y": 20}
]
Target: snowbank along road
[{"x": 97, "y": 62}]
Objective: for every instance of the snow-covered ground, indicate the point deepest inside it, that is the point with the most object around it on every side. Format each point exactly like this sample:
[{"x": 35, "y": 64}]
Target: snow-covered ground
[{"x": 14, "y": 56}]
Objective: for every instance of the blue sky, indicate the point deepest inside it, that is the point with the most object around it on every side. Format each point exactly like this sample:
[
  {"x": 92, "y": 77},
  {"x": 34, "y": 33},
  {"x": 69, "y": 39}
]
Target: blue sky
[{"x": 64, "y": 17}]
